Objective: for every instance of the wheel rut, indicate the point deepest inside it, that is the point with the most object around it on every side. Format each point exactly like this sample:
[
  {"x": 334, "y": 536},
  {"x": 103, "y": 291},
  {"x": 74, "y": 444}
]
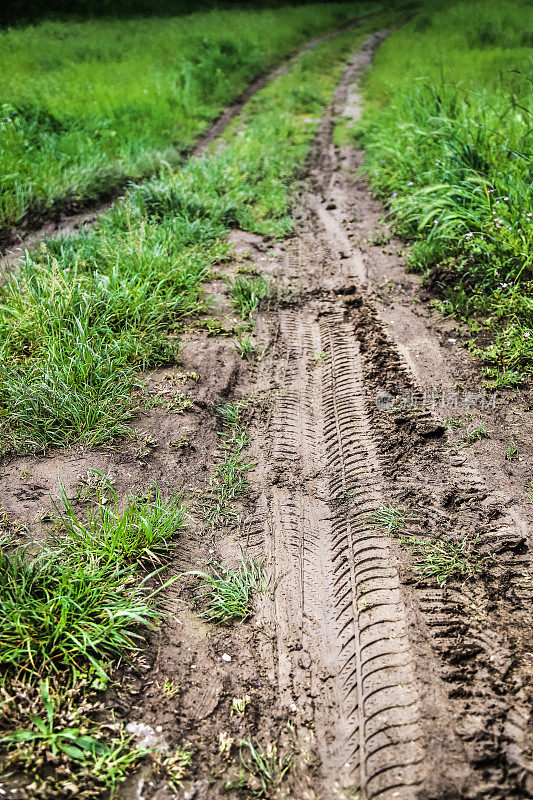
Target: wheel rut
[
  {"x": 343, "y": 654},
  {"x": 407, "y": 686}
]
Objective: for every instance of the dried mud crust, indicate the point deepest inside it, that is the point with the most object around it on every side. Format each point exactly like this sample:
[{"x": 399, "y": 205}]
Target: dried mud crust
[{"x": 379, "y": 685}]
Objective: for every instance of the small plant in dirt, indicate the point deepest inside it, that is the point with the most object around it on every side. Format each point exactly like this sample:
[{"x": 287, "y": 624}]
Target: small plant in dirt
[
  {"x": 174, "y": 767},
  {"x": 239, "y": 705},
  {"x": 443, "y": 561},
  {"x": 262, "y": 770},
  {"x": 49, "y": 734},
  {"x": 245, "y": 347},
  {"x": 318, "y": 359},
  {"x": 229, "y": 593},
  {"x": 43, "y": 733},
  {"x": 512, "y": 452},
  {"x": 170, "y": 688},
  {"x": 229, "y": 480},
  {"x": 247, "y": 293},
  {"x": 454, "y": 422},
  {"x": 389, "y": 518},
  {"x": 474, "y": 434},
  {"x": 140, "y": 531}
]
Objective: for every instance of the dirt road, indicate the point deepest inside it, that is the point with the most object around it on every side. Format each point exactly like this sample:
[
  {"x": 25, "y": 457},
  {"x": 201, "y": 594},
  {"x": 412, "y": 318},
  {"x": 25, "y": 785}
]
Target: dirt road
[{"x": 377, "y": 682}]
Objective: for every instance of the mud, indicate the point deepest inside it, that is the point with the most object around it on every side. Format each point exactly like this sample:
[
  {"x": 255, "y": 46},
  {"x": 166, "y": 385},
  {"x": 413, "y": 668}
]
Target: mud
[{"x": 378, "y": 683}]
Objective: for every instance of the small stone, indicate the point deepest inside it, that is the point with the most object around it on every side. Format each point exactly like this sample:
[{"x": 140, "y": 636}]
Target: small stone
[
  {"x": 457, "y": 461},
  {"x": 226, "y": 657}
]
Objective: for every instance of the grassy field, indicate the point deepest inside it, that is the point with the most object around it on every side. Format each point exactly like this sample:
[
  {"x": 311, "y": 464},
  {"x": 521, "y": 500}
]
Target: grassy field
[
  {"x": 448, "y": 135},
  {"x": 87, "y": 105}
]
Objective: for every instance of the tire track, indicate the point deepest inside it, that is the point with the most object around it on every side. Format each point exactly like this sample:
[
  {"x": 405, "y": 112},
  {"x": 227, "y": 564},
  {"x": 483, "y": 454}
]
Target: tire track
[{"x": 343, "y": 653}]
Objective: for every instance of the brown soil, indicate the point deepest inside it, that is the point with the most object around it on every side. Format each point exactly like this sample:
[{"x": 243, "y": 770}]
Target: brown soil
[{"x": 379, "y": 684}]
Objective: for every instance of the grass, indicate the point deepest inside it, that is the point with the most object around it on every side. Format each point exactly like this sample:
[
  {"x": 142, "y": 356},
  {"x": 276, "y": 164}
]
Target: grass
[
  {"x": 432, "y": 559},
  {"x": 175, "y": 767},
  {"x": 43, "y": 725},
  {"x": 71, "y": 612},
  {"x": 85, "y": 314},
  {"x": 476, "y": 434},
  {"x": 443, "y": 561},
  {"x": 139, "y": 533},
  {"x": 247, "y": 293},
  {"x": 81, "y": 602},
  {"x": 64, "y": 610},
  {"x": 246, "y": 347},
  {"x": 87, "y": 105},
  {"x": 229, "y": 480},
  {"x": 447, "y": 133},
  {"x": 229, "y": 592},
  {"x": 388, "y": 518},
  {"x": 261, "y": 770}
]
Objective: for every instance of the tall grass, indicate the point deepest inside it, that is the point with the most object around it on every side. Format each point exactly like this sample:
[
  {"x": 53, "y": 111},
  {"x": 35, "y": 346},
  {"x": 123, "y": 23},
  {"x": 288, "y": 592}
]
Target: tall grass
[
  {"x": 86, "y": 105},
  {"x": 448, "y": 135},
  {"x": 83, "y": 315}
]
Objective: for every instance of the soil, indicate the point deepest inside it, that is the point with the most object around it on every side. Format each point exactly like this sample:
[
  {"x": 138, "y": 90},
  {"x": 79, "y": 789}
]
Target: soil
[{"x": 376, "y": 682}]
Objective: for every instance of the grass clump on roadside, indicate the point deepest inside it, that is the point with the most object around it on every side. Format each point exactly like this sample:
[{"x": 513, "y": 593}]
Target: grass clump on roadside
[
  {"x": 229, "y": 593},
  {"x": 64, "y": 610},
  {"x": 69, "y": 614},
  {"x": 140, "y": 532},
  {"x": 80, "y": 601},
  {"x": 229, "y": 481},
  {"x": 448, "y": 144},
  {"x": 86, "y": 105},
  {"x": 247, "y": 293}
]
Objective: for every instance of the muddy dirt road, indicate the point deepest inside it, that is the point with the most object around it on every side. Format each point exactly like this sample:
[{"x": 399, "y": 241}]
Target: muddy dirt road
[{"x": 364, "y": 678}]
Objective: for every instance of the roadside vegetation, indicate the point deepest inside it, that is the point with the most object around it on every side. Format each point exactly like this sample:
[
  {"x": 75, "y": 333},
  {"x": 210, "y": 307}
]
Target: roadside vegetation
[
  {"x": 83, "y": 315},
  {"x": 86, "y": 105},
  {"x": 448, "y": 137}
]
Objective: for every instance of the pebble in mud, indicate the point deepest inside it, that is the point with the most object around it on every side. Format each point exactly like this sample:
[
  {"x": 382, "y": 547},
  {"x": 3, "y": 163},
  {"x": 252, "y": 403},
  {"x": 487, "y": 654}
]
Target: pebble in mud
[{"x": 226, "y": 657}]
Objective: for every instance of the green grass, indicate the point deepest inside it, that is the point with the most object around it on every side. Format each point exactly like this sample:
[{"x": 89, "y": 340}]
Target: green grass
[
  {"x": 229, "y": 593},
  {"x": 444, "y": 561},
  {"x": 447, "y": 133},
  {"x": 262, "y": 770},
  {"x": 476, "y": 434},
  {"x": 229, "y": 480},
  {"x": 247, "y": 293},
  {"x": 86, "y": 105},
  {"x": 140, "y": 532},
  {"x": 389, "y": 518},
  {"x": 66, "y": 610},
  {"x": 45, "y": 725},
  {"x": 85, "y": 314},
  {"x": 81, "y": 601}
]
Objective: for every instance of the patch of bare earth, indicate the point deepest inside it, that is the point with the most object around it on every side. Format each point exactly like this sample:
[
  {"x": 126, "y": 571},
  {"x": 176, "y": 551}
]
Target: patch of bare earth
[{"x": 377, "y": 683}]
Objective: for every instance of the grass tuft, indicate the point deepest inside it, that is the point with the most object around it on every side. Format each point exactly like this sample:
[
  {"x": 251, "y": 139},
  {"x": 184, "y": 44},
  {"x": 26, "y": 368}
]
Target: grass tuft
[{"x": 229, "y": 593}]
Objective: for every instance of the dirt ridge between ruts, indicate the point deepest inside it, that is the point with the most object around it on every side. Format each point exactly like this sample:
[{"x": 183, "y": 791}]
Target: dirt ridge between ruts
[{"x": 60, "y": 221}]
